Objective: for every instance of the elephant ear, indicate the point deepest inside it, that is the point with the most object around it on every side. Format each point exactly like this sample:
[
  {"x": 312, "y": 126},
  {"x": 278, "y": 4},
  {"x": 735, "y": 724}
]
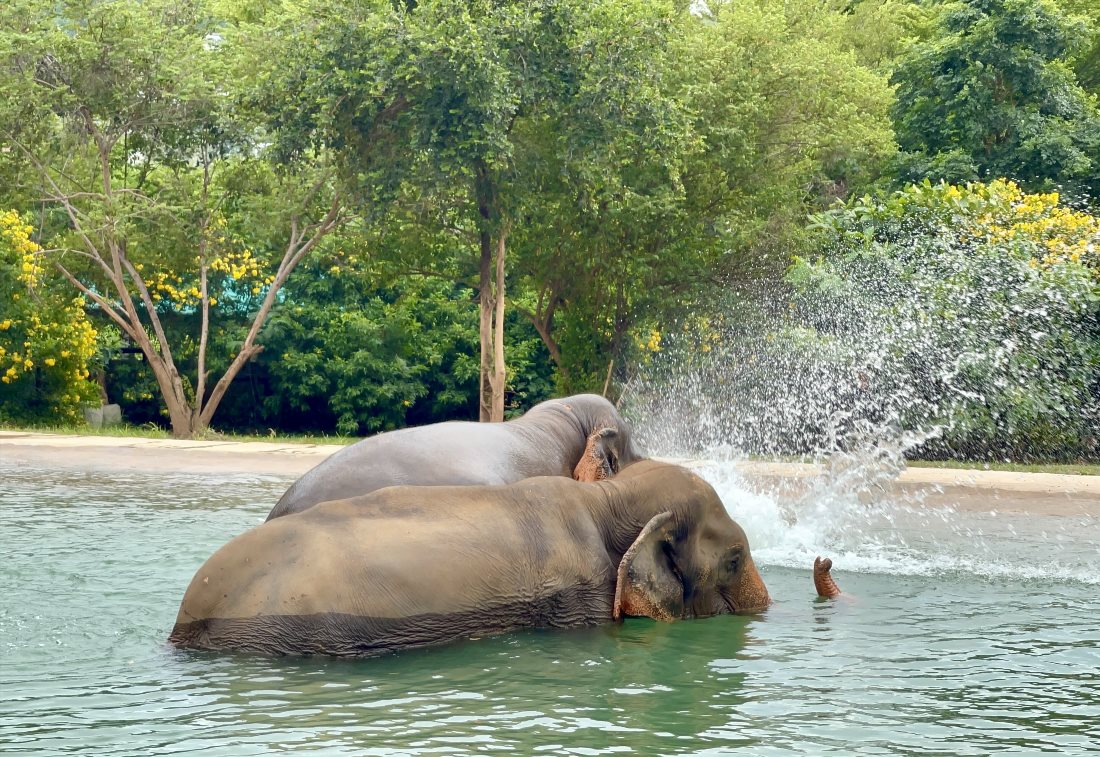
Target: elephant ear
[
  {"x": 598, "y": 461},
  {"x": 648, "y": 584}
]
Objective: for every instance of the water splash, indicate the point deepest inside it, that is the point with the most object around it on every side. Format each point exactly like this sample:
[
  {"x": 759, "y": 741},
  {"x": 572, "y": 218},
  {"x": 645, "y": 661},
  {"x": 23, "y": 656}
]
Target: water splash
[
  {"x": 843, "y": 501},
  {"x": 793, "y": 514},
  {"x": 929, "y": 348}
]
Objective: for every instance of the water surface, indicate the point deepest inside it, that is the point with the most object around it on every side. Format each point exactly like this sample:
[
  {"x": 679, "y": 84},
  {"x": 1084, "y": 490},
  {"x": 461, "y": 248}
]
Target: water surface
[{"x": 963, "y": 633}]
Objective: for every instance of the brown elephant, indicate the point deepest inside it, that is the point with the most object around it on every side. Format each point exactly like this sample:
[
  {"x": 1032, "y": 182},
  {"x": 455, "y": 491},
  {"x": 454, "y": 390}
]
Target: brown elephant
[
  {"x": 581, "y": 436},
  {"x": 413, "y": 566}
]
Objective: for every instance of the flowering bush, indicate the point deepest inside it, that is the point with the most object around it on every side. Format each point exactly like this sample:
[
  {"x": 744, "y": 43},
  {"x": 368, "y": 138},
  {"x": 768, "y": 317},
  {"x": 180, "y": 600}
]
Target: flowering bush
[
  {"x": 46, "y": 340},
  {"x": 973, "y": 308}
]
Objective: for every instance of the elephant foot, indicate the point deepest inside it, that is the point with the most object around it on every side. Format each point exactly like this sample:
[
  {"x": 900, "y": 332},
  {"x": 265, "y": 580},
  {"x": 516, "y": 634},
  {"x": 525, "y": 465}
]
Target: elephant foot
[{"x": 823, "y": 579}]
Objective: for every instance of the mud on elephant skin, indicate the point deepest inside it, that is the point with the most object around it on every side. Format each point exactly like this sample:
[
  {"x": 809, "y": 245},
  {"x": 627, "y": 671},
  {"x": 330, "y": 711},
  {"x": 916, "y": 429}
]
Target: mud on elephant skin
[
  {"x": 414, "y": 566},
  {"x": 582, "y": 436}
]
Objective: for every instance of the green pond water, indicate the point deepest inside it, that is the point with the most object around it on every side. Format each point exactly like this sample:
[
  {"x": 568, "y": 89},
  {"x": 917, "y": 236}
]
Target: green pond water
[{"x": 964, "y": 634}]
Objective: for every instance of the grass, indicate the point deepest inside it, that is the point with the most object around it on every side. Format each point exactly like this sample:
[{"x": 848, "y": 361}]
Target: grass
[{"x": 151, "y": 431}]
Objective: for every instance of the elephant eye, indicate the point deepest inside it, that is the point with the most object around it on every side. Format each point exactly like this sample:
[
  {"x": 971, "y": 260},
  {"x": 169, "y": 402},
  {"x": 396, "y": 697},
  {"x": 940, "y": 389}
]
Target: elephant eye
[{"x": 735, "y": 561}]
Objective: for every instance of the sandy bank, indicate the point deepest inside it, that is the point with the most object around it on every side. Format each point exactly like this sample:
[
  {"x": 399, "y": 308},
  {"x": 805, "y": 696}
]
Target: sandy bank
[
  {"x": 1053, "y": 494},
  {"x": 1038, "y": 493},
  {"x": 160, "y": 455}
]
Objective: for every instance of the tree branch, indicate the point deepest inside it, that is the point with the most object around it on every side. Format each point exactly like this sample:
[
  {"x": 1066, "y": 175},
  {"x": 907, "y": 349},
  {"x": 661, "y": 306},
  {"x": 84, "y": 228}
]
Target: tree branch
[
  {"x": 98, "y": 299},
  {"x": 295, "y": 252}
]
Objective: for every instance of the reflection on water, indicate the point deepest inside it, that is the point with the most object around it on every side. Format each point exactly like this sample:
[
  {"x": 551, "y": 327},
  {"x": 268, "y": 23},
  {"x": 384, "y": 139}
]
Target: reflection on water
[{"x": 952, "y": 660}]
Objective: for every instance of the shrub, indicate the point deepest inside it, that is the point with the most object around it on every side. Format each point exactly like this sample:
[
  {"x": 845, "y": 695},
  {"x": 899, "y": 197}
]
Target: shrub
[
  {"x": 973, "y": 308},
  {"x": 46, "y": 340}
]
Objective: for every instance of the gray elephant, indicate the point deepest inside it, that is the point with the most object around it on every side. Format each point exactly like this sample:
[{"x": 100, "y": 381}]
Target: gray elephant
[
  {"x": 582, "y": 436},
  {"x": 413, "y": 566}
]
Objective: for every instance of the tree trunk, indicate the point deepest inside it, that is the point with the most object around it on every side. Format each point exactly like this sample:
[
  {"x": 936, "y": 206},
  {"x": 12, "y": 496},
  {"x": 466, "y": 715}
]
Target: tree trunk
[
  {"x": 179, "y": 412},
  {"x": 491, "y": 327},
  {"x": 498, "y": 381},
  {"x": 485, "y": 327},
  {"x": 542, "y": 318}
]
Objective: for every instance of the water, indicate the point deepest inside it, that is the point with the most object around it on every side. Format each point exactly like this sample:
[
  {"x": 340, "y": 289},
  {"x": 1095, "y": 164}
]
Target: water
[{"x": 969, "y": 632}]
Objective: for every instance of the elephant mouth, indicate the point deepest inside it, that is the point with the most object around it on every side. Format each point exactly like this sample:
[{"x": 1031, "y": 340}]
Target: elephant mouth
[{"x": 731, "y": 606}]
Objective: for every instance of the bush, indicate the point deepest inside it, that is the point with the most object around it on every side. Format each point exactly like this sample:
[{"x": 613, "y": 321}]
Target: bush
[
  {"x": 46, "y": 341},
  {"x": 343, "y": 354},
  {"x": 974, "y": 308}
]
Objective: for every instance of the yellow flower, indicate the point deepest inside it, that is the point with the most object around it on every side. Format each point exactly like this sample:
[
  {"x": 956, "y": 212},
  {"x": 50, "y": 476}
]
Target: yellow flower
[
  {"x": 654, "y": 342},
  {"x": 50, "y": 362}
]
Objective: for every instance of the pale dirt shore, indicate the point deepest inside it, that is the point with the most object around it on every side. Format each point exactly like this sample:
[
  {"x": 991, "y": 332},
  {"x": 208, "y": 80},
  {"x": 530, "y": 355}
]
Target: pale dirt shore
[
  {"x": 132, "y": 453},
  {"x": 1037, "y": 493}
]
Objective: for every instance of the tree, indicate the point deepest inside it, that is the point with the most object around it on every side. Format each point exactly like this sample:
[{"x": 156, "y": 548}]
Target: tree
[
  {"x": 778, "y": 118},
  {"x": 973, "y": 307},
  {"x": 1086, "y": 62},
  {"x": 483, "y": 88},
  {"x": 992, "y": 95},
  {"x": 157, "y": 196}
]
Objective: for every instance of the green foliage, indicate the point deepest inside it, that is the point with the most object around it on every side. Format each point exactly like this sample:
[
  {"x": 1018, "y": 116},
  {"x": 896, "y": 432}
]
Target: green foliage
[
  {"x": 1086, "y": 61},
  {"x": 993, "y": 95},
  {"x": 366, "y": 366},
  {"x": 46, "y": 342},
  {"x": 880, "y": 32},
  {"x": 158, "y": 198},
  {"x": 982, "y": 300},
  {"x": 637, "y": 157},
  {"x": 342, "y": 352},
  {"x": 770, "y": 119}
]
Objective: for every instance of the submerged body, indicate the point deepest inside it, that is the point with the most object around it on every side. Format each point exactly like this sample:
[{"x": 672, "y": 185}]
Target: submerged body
[
  {"x": 414, "y": 566},
  {"x": 551, "y": 439}
]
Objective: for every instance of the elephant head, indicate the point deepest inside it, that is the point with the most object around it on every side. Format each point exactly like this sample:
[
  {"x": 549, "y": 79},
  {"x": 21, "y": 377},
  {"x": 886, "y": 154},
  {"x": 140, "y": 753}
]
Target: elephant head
[
  {"x": 609, "y": 443},
  {"x": 690, "y": 560}
]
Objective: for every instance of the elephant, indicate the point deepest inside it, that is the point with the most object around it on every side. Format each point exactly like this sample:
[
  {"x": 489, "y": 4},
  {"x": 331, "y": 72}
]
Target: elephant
[
  {"x": 581, "y": 436},
  {"x": 413, "y": 566}
]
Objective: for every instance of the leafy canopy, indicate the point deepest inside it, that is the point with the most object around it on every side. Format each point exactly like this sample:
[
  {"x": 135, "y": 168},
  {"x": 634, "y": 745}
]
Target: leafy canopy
[{"x": 993, "y": 95}]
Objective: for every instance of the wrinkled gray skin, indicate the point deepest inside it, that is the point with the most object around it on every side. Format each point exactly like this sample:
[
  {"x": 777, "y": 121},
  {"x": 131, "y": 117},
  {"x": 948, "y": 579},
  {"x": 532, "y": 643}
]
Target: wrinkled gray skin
[
  {"x": 549, "y": 440},
  {"x": 413, "y": 566}
]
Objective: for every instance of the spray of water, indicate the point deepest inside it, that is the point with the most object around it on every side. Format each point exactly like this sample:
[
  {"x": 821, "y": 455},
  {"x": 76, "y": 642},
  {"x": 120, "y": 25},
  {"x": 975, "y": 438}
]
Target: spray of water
[{"x": 932, "y": 348}]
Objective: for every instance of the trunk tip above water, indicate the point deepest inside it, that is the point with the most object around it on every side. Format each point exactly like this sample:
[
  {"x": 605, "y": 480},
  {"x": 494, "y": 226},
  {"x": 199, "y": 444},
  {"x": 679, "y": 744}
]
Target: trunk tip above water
[{"x": 823, "y": 579}]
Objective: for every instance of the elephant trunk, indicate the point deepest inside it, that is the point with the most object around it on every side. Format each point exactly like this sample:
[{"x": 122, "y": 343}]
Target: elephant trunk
[{"x": 823, "y": 579}]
